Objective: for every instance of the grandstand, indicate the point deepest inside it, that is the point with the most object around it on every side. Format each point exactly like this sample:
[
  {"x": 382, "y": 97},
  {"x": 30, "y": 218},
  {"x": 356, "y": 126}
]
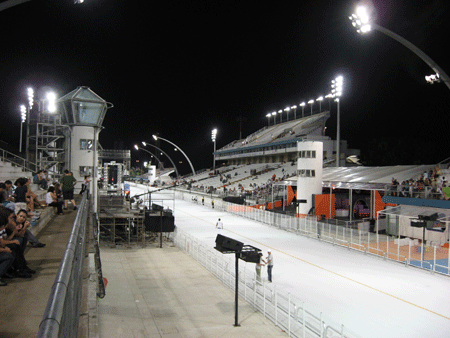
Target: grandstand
[{"x": 278, "y": 143}]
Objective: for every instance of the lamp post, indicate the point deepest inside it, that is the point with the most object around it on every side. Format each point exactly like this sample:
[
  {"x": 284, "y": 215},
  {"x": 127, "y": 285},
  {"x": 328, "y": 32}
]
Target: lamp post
[
  {"x": 303, "y": 104},
  {"x": 160, "y": 163},
  {"x": 361, "y": 21},
  {"x": 320, "y": 99},
  {"x": 30, "y": 94},
  {"x": 287, "y": 110},
  {"x": 274, "y": 114},
  {"x": 268, "y": 119},
  {"x": 336, "y": 91},
  {"x": 151, "y": 145},
  {"x": 213, "y": 138},
  {"x": 311, "y": 102},
  {"x": 295, "y": 111},
  {"x": 281, "y": 116},
  {"x": 187, "y": 158},
  {"x": 23, "y": 114}
]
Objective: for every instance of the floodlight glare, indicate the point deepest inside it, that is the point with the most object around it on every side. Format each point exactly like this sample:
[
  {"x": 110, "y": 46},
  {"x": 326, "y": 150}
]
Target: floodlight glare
[
  {"x": 51, "y": 97},
  {"x": 155, "y": 137},
  {"x": 136, "y": 147},
  {"x": 30, "y": 93},
  {"x": 361, "y": 20}
]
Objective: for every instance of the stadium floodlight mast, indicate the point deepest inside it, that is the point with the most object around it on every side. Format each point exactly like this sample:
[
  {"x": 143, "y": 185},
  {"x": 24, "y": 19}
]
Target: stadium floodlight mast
[
  {"x": 303, "y": 104},
  {"x": 320, "y": 99},
  {"x": 311, "y": 102},
  {"x": 153, "y": 155},
  {"x": 287, "y": 110},
  {"x": 336, "y": 90},
  {"x": 23, "y": 114},
  {"x": 268, "y": 119},
  {"x": 281, "y": 116},
  {"x": 274, "y": 114},
  {"x": 162, "y": 152},
  {"x": 187, "y": 158},
  {"x": 362, "y": 22},
  {"x": 295, "y": 111},
  {"x": 213, "y": 138}
]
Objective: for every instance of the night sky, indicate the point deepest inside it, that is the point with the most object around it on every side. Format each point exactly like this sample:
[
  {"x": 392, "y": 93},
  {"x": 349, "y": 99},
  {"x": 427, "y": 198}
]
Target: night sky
[{"x": 182, "y": 68}]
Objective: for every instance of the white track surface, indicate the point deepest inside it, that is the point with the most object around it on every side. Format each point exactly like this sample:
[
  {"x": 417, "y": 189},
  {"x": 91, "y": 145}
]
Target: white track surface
[{"x": 369, "y": 296}]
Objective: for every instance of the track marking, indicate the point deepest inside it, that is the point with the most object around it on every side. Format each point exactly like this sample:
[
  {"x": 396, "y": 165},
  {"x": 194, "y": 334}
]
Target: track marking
[{"x": 329, "y": 271}]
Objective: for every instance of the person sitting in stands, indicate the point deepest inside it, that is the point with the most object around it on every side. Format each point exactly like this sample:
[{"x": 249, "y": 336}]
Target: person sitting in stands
[
  {"x": 42, "y": 179},
  {"x": 52, "y": 200},
  {"x": 19, "y": 266},
  {"x": 33, "y": 201},
  {"x": 20, "y": 194},
  {"x": 6, "y": 254},
  {"x": 22, "y": 227}
]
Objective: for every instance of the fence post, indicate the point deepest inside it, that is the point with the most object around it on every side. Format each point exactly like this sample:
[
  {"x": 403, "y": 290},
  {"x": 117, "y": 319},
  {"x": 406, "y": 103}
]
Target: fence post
[
  {"x": 289, "y": 314},
  {"x": 303, "y": 321},
  {"x": 276, "y": 305}
]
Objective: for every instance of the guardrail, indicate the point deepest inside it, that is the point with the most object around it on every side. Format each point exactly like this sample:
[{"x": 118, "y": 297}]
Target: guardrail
[
  {"x": 61, "y": 315},
  {"x": 353, "y": 236},
  {"x": 284, "y": 310}
]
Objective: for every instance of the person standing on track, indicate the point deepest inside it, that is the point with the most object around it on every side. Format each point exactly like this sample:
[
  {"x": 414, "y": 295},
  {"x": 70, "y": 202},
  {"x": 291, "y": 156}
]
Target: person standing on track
[
  {"x": 269, "y": 261},
  {"x": 219, "y": 226}
]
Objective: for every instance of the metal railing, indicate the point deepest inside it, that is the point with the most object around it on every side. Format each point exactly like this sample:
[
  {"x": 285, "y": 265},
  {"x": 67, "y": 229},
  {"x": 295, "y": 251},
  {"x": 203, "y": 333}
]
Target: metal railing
[
  {"x": 355, "y": 236},
  {"x": 61, "y": 316},
  {"x": 6, "y": 156},
  {"x": 284, "y": 310}
]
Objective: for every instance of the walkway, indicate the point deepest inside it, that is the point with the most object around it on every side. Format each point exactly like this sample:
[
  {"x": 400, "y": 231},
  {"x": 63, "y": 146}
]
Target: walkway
[
  {"x": 23, "y": 301},
  {"x": 163, "y": 292}
]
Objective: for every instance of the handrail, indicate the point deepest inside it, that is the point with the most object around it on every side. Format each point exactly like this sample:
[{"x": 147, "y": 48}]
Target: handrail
[
  {"x": 65, "y": 296},
  {"x": 6, "y": 156}
]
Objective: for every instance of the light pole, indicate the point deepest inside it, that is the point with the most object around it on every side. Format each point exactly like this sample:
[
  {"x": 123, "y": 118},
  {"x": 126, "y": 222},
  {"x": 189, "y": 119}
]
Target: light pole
[
  {"x": 151, "y": 145},
  {"x": 23, "y": 114},
  {"x": 30, "y": 94},
  {"x": 336, "y": 90},
  {"x": 160, "y": 163},
  {"x": 274, "y": 114},
  {"x": 287, "y": 109},
  {"x": 361, "y": 21},
  {"x": 311, "y": 102},
  {"x": 320, "y": 99},
  {"x": 187, "y": 158},
  {"x": 295, "y": 111},
  {"x": 281, "y": 116},
  {"x": 303, "y": 104},
  {"x": 268, "y": 119},
  {"x": 213, "y": 137}
]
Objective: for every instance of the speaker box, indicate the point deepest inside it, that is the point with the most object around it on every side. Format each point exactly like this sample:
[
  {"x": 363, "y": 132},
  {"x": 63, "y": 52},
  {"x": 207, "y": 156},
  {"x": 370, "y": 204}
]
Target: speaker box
[
  {"x": 418, "y": 223},
  {"x": 250, "y": 256},
  {"x": 224, "y": 243}
]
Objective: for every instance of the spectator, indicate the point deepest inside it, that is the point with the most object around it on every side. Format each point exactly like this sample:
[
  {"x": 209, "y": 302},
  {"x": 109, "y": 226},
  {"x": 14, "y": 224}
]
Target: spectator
[
  {"x": 6, "y": 255},
  {"x": 68, "y": 184},
  {"x": 42, "y": 179},
  {"x": 19, "y": 266},
  {"x": 22, "y": 226},
  {"x": 52, "y": 200},
  {"x": 20, "y": 194}
]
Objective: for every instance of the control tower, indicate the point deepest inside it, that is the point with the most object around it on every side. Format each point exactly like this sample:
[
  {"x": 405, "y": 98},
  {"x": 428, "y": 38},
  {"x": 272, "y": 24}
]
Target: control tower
[{"x": 83, "y": 112}]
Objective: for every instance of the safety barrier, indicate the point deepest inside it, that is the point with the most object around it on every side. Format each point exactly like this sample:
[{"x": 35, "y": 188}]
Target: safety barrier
[
  {"x": 435, "y": 259},
  {"x": 61, "y": 316},
  {"x": 284, "y": 310}
]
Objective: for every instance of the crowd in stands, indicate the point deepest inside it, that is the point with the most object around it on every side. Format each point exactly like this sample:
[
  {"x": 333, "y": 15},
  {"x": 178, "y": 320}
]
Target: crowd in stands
[
  {"x": 430, "y": 184},
  {"x": 18, "y": 204}
]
